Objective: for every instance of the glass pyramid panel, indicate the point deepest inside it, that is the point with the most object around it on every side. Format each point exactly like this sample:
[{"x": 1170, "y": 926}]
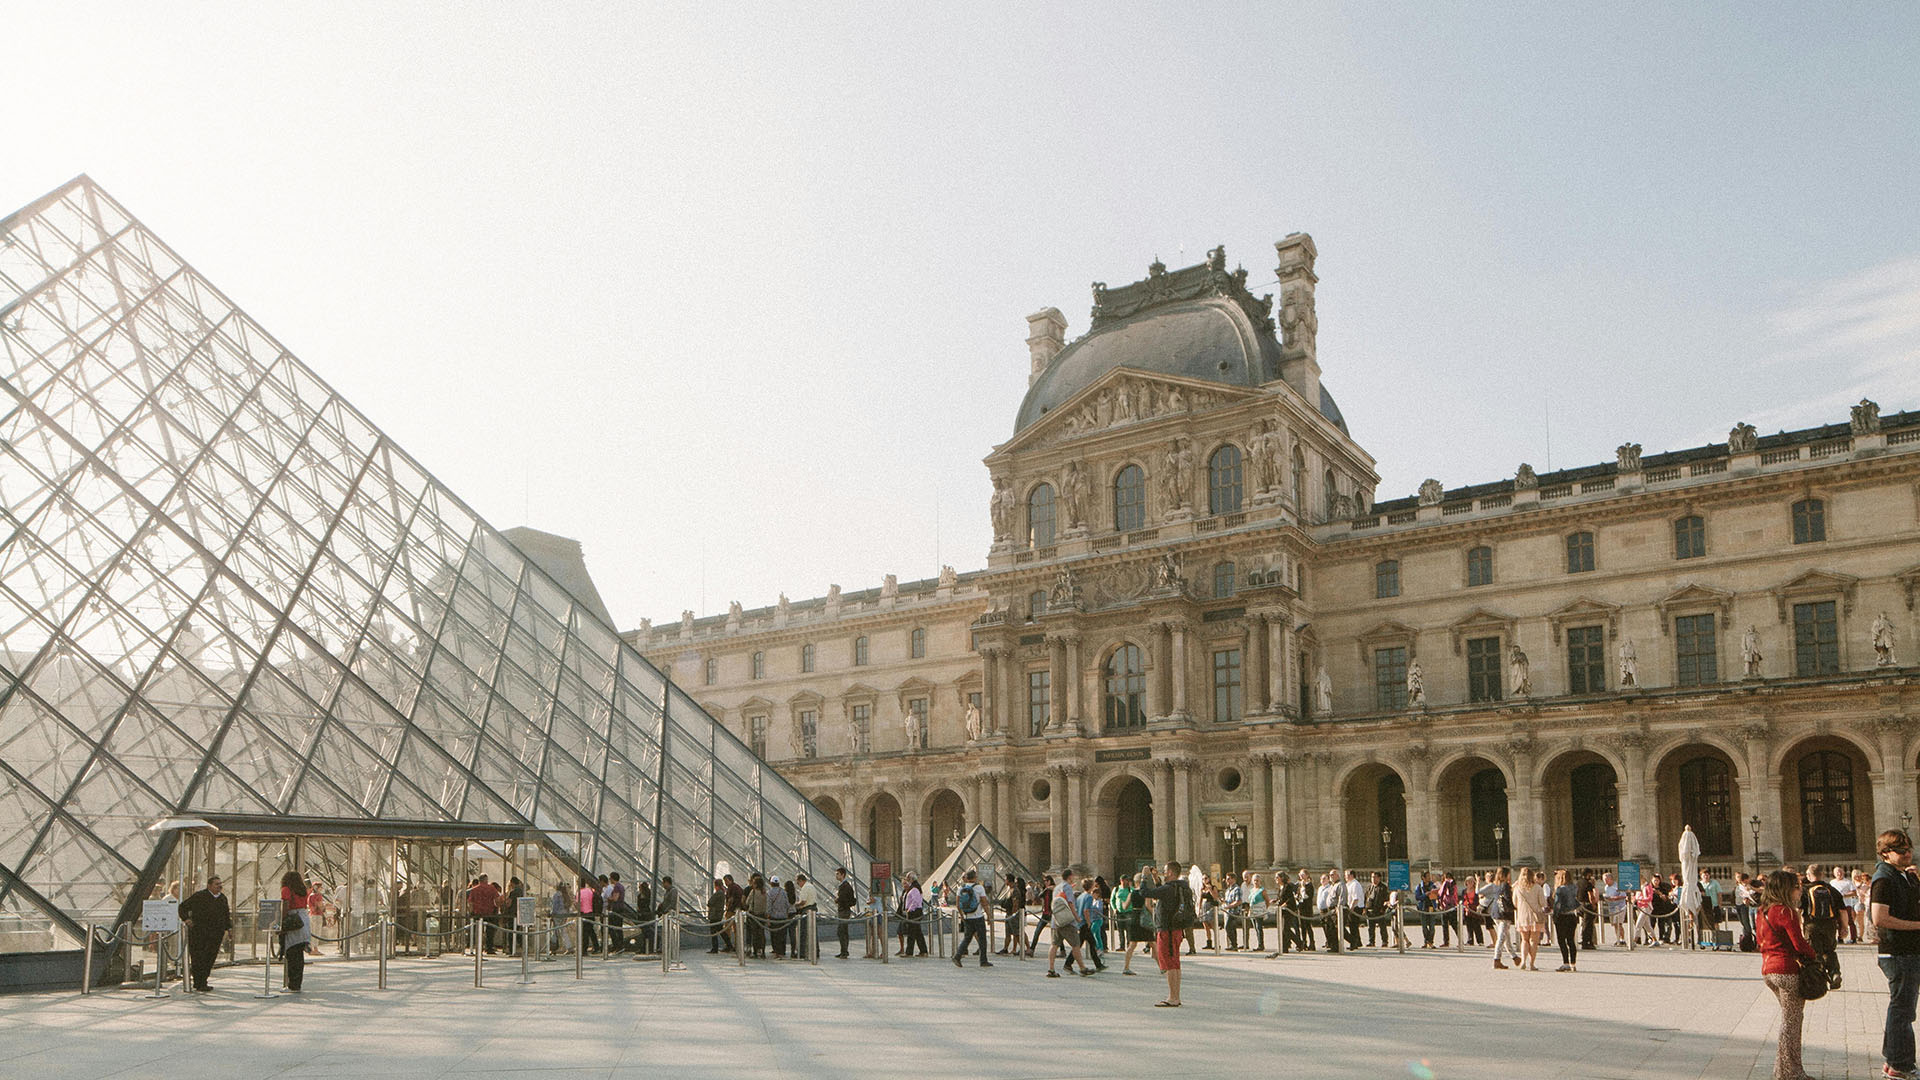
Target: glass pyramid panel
[
  {"x": 983, "y": 852},
  {"x": 225, "y": 591}
]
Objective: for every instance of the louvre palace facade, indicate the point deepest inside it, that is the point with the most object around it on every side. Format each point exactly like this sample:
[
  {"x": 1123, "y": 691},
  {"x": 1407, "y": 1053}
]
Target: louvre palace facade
[{"x": 1199, "y": 635}]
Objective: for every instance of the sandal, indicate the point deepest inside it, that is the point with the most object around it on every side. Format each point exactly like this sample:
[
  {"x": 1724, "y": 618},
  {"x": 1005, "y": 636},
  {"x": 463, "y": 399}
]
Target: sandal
[{"x": 1166, "y": 1004}]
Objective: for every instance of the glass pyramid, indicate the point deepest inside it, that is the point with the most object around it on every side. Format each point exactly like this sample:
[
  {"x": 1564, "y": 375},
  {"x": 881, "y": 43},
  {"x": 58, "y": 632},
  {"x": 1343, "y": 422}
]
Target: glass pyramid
[
  {"x": 983, "y": 852},
  {"x": 222, "y": 589}
]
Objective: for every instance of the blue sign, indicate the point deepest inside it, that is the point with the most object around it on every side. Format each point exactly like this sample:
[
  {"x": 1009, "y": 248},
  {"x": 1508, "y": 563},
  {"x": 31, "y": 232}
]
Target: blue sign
[
  {"x": 1398, "y": 874},
  {"x": 1628, "y": 875}
]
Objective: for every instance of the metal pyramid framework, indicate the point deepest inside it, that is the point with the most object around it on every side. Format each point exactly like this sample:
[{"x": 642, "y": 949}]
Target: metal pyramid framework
[
  {"x": 222, "y": 589},
  {"x": 983, "y": 851}
]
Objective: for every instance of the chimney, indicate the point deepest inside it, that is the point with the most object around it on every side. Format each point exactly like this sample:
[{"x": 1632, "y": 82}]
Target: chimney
[
  {"x": 1046, "y": 336},
  {"x": 1299, "y": 364}
]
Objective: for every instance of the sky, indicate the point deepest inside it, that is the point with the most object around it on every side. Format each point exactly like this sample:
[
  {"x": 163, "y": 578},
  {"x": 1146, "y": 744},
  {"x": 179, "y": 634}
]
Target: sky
[{"x": 736, "y": 294}]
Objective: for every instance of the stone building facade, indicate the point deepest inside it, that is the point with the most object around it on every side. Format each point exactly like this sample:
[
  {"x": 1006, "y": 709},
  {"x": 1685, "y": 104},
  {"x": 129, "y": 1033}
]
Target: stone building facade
[{"x": 1199, "y": 636}]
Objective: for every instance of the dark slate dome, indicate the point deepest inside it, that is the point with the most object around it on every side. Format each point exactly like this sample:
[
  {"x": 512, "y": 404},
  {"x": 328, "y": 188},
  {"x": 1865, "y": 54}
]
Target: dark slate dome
[{"x": 1196, "y": 323}]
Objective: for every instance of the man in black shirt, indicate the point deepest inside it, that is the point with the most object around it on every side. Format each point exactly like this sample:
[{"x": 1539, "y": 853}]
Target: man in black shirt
[
  {"x": 1895, "y": 900},
  {"x": 843, "y": 902},
  {"x": 1820, "y": 905},
  {"x": 207, "y": 918}
]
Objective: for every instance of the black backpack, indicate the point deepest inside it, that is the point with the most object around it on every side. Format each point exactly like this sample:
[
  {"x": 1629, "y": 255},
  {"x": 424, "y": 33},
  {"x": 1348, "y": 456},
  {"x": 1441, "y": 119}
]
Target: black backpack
[{"x": 1183, "y": 918}]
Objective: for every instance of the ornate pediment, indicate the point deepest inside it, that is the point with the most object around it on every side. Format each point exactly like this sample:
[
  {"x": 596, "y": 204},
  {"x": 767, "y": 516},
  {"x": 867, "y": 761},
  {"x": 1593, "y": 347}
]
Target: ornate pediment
[
  {"x": 1693, "y": 597},
  {"x": 859, "y": 692},
  {"x": 805, "y": 699},
  {"x": 755, "y": 706},
  {"x": 1481, "y": 623},
  {"x": 1385, "y": 634},
  {"x": 1585, "y": 610},
  {"x": 1816, "y": 583},
  {"x": 1124, "y": 396}
]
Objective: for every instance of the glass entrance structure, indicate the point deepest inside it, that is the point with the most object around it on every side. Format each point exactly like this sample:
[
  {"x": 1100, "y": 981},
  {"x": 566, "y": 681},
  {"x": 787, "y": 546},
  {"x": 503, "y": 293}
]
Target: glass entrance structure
[{"x": 226, "y": 595}]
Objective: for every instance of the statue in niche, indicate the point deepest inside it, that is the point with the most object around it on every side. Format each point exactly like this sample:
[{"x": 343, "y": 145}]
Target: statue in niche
[
  {"x": 973, "y": 722},
  {"x": 1074, "y": 490},
  {"x": 1629, "y": 666},
  {"x": 1627, "y": 457},
  {"x": 1323, "y": 692},
  {"x": 1416, "y": 686},
  {"x": 916, "y": 730},
  {"x": 853, "y": 733},
  {"x": 1065, "y": 591},
  {"x": 1519, "y": 671},
  {"x": 1525, "y": 479},
  {"x": 1750, "y": 652},
  {"x": 1122, "y": 404},
  {"x": 1170, "y": 493},
  {"x": 1262, "y": 458},
  {"x": 1743, "y": 439},
  {"x": 1185, "y": 456},
  {"x": 1883, "y": 641},
  {"x": 1002, "y": 506}
]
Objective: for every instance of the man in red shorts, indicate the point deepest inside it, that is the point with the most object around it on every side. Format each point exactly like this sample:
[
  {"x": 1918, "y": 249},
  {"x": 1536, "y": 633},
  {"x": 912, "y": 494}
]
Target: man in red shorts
[{"x": 1172, "y": 915}]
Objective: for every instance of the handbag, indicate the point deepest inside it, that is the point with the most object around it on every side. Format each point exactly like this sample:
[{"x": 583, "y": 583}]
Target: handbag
[
  {"x": 289, "y": 923},
  {"x": 1813, "y": 980}
]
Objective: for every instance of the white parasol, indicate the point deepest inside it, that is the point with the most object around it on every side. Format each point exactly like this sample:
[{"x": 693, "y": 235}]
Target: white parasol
[{"x": 1689, "y": 870}]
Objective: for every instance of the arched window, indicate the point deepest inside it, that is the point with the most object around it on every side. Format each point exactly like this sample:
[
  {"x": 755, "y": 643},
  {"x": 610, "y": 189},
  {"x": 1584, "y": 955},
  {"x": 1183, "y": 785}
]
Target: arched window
[
  {"x": 1809, "y": 521},
  {"x": 1299, "y": 475},
  {"x": 1222, "y": 580},
  {"x": 806, "y": 657},
  {"x": 860, "y": 650},
  {"x": 1036, "y": 603},
  {"x": 1129, "y": 499},
  {"x": 713, "y": 670},
  {"x": 1126, "y": 688},
  {"x": 1706, "y": 803},
  {"x": 1390, "y": 804},
  {"x": 917, "y": 643},
  {"x": 1331, "y": 494},
  {"x": 1386, "y": 578},
  {"x": 1689, "y": 537},
  {"x": 1826, "y": 804},
  {"x": 1040, "y": 516},
  {"x": 759, "y": 665},
  {"x": 1479, "y": 566},
  {"x": 1223, "y": 480}
]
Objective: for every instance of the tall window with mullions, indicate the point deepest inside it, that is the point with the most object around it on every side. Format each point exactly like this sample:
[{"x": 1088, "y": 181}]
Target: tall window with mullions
[
  {"x": 1129, "y": 499},
  {"x": 1126, "y": 689},
  {"x": 1226, "y": 686},
  {"x": 1586, "y": 659},
  {"x": 1039, "y": 701},
  {"x": 1483, "y": 669},
  {"x": 1816, "y": 639},
  {"x": 1223, "y": 480},
  {"x": 1390, "y": 678},
  {"x": 1696, "y": 657}
]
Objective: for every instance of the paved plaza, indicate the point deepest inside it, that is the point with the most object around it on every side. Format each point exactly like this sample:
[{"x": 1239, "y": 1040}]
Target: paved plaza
[{"x": 1375, "y": 1014}]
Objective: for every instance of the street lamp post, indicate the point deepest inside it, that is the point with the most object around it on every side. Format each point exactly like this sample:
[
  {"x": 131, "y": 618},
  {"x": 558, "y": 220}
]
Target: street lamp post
[
  {"x": 1234, "y": 834},
  {"x": 1500, "y": 842},
  {"x": 1386, "y": 844},
  {"x": 1753, "y": 823}
]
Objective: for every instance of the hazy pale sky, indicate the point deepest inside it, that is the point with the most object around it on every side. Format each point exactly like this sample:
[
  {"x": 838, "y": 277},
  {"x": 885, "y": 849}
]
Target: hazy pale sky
[{"x": 736, "y": 295}]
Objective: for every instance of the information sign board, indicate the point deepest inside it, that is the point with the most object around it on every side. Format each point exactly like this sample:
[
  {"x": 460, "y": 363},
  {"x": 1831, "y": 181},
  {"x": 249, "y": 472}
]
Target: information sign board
[
  {"x": 160, "y": 916},
  {"x": 268, "y": 917},
  {"x": 1399, "y": 875},
  {"x": 526, "y": 911},
  {"x": 1628, "y": 875}
]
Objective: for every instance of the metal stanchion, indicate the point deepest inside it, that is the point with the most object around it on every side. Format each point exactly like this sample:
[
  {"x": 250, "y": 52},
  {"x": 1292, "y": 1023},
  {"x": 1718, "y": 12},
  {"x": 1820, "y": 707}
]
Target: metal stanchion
[
  {"x": 606, "y": 939},
  {"x": 478, "y": 953},
  {"x": 525, "y": 940},
  {"x": 740, "y": 936},
  {"x": 1340, "y": 924},
  {"x": 86, "y": 971},
  {"x": 813, "y": 936},
  {"x": 1459, "y": 929},
  {"x": 386, "y": 946},
  {"x": 266, "y": 978},
  {"x": 159, "y": 965},
  {"x": 579, "y": 947},
  {"x": 1400, "y": 928}
]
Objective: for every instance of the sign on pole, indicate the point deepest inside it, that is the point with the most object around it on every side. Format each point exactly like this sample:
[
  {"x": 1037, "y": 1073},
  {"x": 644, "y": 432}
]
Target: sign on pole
[
  {"x": 268, "y": 916},
  {"x": 1628, "y": 874},
  {"x": 160, "y": 916},
  {"x": 526, "y": 911},
  {"x": 1399, "y": 874}
]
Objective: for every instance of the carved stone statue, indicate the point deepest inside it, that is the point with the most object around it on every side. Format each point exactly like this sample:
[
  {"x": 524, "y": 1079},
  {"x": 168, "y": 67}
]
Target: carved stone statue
[
  {"x": 1750, "y": 653},
  {"x": 1883, "y": 641},
  {"x": 1166, "y": 573},
  {"x": 686, "y": 623},
  {"x": 1525, "y": 479},
  {"x": 1001, "y": 507},
  {"x": 973, "y": 722},
  {"x": 1171, "y": 496},
  {"x": 1185, "y": 458},
  {"x": 889, "y": 586},
  {"x": 1323, "y": 692},
  {"x": 1075, "y": 492},
  {"x": 1260, "y": 464},
  {"x": 1865, "y": 417},
  {"x": 1743, "y": 439},
  {"x": 1627, "y": 457},
  {"x": 853, "y": 734},
  {"x": 1416, "y": 686},
  {"x": 916, "y": 730},
  {"x": 1431, "y": 492},
  {"x": 1629, "y": 665},
  {"x": 1342, "y": 507},
  {"x": 1519, "y": 672},
  {"x": 1065, "y": 592},
  {"x": 733, "y": 611}
]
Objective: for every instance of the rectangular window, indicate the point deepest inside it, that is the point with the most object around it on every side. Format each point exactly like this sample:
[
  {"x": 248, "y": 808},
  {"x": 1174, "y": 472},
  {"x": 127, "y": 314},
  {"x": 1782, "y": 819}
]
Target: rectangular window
[
  {"x": 809, "y": 733},
  {"x": 1227, "y": 704},
  {"x": 757, "y": 736},
  {"x": 1579, "y": 553},
  {"x": 1809, "y": 521},
  {"x": 1390, "y": 678},
  {"x": 862, "y": 728},
  {"x": 1480, "y": 566},
  {"x": 1483, "y": 669},
  {"x": 1586, "y": 660},
  {"x": 759, "y": 665},
  {"x": 1816, "y": 639},
  {"x": 917, "y": 708},
  {"x": 806, "y": 658},
  {"x": 1696, "y": 659},
  {"x": 1039, "y": 700},
  {"x": 1689, "y": 537},
  {"x": 859, "y": 651},
  {"x": 1386, "y": 579}
]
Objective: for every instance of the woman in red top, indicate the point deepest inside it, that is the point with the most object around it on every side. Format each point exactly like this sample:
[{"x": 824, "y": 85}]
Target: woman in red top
[
  {"x": 294, "y": 943},
  {"x": 1782, "y": 949}
]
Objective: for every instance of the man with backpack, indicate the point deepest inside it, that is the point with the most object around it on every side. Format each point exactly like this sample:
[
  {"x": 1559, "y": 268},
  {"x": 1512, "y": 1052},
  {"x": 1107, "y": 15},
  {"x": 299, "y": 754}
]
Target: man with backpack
[
  {"x": 970, "y": 902},
  {"x": 1172, "y": 917},
  {"x": 1065, "y": 919},
  {"x": 1820, "y": 905}
]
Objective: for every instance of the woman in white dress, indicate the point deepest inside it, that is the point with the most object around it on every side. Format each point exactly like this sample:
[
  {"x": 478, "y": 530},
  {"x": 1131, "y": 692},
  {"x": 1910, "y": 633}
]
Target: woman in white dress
[{"x": 1529, "y": 915}]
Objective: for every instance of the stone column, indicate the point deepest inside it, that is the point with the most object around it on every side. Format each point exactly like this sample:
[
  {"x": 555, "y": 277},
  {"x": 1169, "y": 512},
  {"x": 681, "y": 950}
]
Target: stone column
[
  {"x": 1255, "y": 659},
  {"x": 1179, "y": 659},
  {"x": 1282, "y": 811},
  {"x": 1524, "y": 825},
  {"x": 1162, "y": 811},
  {"x": 1277, "y": 659},
  {"x": 1423, "y": 825},
  {"x": 1161, "y": 702},
  {"x": 1289, "y": 665},
  {"x": 1057, "y": 667},
  {"x": 1077, "y": 811},
  {"x": 913, "y": 831},
  {"x": 1076, "y": 715},
  {"x": 1003, "y": 807},
  {"x": 1183, "y": 809},
  {"x": 1638, "y": 811},
  {"x": 1259, "y": 829},
  {"x": 1057, "y": 815},
  {"x": 995, "y": 718},
  {"x": 1760, "y": 795},
  {"x": 1895, "y": 791}
]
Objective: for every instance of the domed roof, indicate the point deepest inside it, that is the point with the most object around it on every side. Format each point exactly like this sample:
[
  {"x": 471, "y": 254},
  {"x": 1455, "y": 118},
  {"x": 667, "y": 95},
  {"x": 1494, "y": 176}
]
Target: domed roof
[{"x": 1197, "y": 323}]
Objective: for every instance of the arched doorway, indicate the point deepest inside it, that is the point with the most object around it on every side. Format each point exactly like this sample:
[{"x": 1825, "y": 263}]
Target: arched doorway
[
  {"x": 828, "y": 806},
  {"x": 1376, "y": 815},
  {"x": 1828, "y": 802},
  {"x": 1470, "y": 804},
  {"x": 946, "y": 826},
  {"x": 1698, "y": 785},
  {"x": 1581, "y": 795},
  {"x": 1132, "y": 827},
  {"x": 883, "y": 829}
]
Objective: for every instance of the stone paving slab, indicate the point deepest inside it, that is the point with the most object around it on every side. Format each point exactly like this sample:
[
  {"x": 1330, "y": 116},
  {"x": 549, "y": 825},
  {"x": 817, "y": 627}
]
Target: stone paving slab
[{"x": 1438, "y": 1014}]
